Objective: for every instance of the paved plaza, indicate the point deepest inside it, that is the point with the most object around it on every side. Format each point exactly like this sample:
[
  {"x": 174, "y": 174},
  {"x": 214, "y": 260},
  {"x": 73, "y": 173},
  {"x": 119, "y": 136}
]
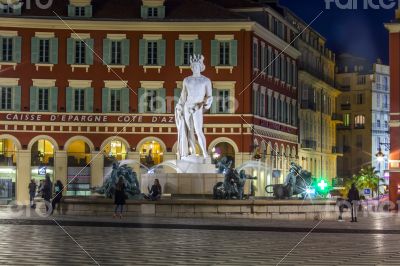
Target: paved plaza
[{"x": 164, "y": 241}]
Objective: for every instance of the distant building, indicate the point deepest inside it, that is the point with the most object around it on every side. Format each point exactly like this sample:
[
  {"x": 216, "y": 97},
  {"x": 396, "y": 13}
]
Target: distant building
[
  {"x": 317, "y": 97},
  {"x": 364, "y": 106}
]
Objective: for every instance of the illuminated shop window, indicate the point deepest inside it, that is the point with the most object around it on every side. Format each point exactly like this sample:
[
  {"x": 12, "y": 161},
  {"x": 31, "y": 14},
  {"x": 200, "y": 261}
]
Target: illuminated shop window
[
  {"x": 114, "y": 151},
  {"x": 42, "y": 153},
  {"x": 151, "y": 153}
]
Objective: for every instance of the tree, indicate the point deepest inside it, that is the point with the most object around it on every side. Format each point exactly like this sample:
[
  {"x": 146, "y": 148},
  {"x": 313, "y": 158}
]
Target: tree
[{"x": 368, "y": 177}]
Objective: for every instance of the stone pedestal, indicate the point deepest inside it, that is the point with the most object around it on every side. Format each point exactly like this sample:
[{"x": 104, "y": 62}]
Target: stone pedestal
[
  {"x": 183, "y": 183},
  {"x": 195, "y": 165},
  {"x": 96, "y": 170}
]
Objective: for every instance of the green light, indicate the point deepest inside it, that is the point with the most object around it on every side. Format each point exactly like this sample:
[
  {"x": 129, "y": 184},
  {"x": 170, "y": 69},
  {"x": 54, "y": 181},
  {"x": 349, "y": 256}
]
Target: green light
[{"x": 322, "y": 184}]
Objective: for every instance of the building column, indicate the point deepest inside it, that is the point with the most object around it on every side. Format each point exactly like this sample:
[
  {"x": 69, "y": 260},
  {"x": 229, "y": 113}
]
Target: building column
[
  {"x": 23, "y": 176},
  {"x": 60, "y": 167},
  {"x": 96, "y": 169}
]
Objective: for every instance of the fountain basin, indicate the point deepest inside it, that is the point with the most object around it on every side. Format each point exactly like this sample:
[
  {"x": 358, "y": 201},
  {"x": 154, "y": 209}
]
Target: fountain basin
[{"x": 183, "y": 183}]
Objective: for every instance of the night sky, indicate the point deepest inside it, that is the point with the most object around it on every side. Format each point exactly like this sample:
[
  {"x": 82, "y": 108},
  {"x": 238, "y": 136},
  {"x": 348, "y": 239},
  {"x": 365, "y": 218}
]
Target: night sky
[{"x": 358, "y": 32}]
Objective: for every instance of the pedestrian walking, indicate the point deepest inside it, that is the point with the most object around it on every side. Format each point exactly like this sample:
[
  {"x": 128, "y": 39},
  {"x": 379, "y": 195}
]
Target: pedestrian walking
[
  {"x": 46, "y": 192},
  {"x": 354, "y": 198},
  {"x": 32, "y": 192},
  {"x": 120, "y": 197},
  {"x": 58, "y": 190},
  {"x": 155, "y": 191}
]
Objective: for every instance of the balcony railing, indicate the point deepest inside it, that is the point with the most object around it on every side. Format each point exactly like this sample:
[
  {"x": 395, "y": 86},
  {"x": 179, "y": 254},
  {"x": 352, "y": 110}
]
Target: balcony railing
[
  {"x": 337, "y": 117},
  {"x": 337, "y": 149},
  {"x": 308, "y": 144},
  {"x": 318, "y": 73},
  {"x": 345, "y": 106},
  {"x": 345, "y": 88},
  {"x": 343, "y": 127},
  {"x": 359, "y": 126},
  {"x": 308, "y": 105}
]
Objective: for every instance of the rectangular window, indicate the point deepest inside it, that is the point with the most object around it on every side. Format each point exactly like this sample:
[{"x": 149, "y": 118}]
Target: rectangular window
[
  {"x": 80, "y": 11},
  {"x": 255, "y": 55},
  {"x": 360, "y": 98},
  {"x": 7, "y": 49},
  {"x": 152, "y": 12},
  {"x": 6, "y": 98},
  {"x": 8, "y": 9},
  {"x": 152, "y": 53},
  {"x": 79, "y": 100},
  {"x": 188, "y": 50},
  {"x": 276, "y": 65},
  {"x": 151, "y": 101},
  {"x": 224, "y": 52},
  {"x": 269, "y": 64},
  {"x": 346, "y": 120},
  {"x": 115, "y": 98},
  {"x": 223, "y": 101},
  {"x": 116, "y": 52},
  {"x": 43, "y": 99},
  {"x": 80, "y": 52},
  {"x": 44, "y": 51}
]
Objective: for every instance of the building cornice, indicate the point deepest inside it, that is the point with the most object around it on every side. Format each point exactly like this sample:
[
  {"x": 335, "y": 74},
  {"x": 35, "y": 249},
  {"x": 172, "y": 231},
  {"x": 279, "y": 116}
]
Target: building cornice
[
  {"x": 393, "y": 27},
  {"x": 275, "y": 40},
  {"x": 160, "y": 26}
]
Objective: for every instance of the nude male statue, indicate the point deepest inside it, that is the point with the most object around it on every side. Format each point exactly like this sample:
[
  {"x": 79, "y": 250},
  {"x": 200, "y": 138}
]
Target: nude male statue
[{"x": 196, "y": 98}]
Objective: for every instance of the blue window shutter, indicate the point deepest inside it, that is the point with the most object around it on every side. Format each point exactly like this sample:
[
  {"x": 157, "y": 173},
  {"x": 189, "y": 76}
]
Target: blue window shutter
[
  {"x": 142, "y": 52},
  {"x": 141, "y": 101},
  {"x": 163, "y": 104},
  {"x": 106, "y": 51},
  {"x": 177, "y": 95},
  {"x": 17, "y": 98},
  {"x": 197, "y": 47},
  {"x": 143, "y": 12},
  {"x": 33, "y": 99},
  {"x": 89, "y": 51},
  {"x": 125, "y": 52},
  {"x": 69, "y": 95},
  {"x": 89, "y": 100},
  {"x": 17, "y": 49},
  {"x": 215, "y": 102},
  {"x": 125, "y": 100},
  {"x": 161, "y": 12},
  {"x": 178, "y": 52},
  {"x": 70, "y": 51},
  {"x": 214, "y": 53},
  {"x": 233, "y": 52},
  {"x": 54, "y": 50},
  {"x": 53, "y": 99},
  {"x": 71, "y": 11},
  {"x": 88, "y": 11},
  {"x": 105, "y": 100},
  {"x": 34, "y": 50},
  {"x": 161, "y": 52}
]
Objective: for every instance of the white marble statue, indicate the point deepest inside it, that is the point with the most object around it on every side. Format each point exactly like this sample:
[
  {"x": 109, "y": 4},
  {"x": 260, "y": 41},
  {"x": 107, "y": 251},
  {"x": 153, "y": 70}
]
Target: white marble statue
[{"x": 196, "y": 98}]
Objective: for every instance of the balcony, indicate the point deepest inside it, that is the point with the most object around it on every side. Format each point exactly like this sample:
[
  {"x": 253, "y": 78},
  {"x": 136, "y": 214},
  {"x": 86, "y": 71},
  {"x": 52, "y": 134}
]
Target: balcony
[
  {"x": 343, "y": 127},
  {"x": 308, "y": 144},
  {"x": 337, "y": 117},
  {"x": 337, "y": 149},
  {"x": 318, "y": 73},
  {"x": 345, "y": 106},
  {"x": 359, "y": 126}
]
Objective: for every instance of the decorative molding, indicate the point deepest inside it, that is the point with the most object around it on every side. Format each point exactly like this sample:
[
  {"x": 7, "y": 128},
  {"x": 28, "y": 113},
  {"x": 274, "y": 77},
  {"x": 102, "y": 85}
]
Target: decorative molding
[
  {"x": 116, "y": 36},
  {"x": 9, "y": 81},
  {"x": 153, "y": 3},
  {"x": 152, "y": 84},
  {"x": 224, "y": 84},
  {"x": 116, "y": 84},
  {"x": 12, "y": 64},
  {"x": 217, "y": 68},
  {"x": 80, "y": 36},
  {"x": 179, "y": 84},
  {"x": 274, "y": 134},
  {"x": 152, "y": 37},
  {"x": 225, "y": 37},
  {"x": 80, "y": 66},
  {"x": 80, "y": 83},
  {"x": 8, "y": 33},
  {"x": 44, "y": 65},
  {"x": 44, "y": 34},
  {"x": 188, "y": 37},
  {"x": 152, "y": 67},
  {"x": 122, "y": 67},
  {"x": 44, "y": 82},
  {"x": 80, "y": 2}
]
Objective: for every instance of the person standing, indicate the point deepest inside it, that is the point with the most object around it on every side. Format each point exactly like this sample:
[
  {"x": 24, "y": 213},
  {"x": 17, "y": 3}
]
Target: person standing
[
  {"x": 354, "y": 198},
  {"x": 119, "y": 197},
  {"x": 58, "y": 189},
  {"x": 46, "y": 191},
  {"x": 32, "y": 192}
]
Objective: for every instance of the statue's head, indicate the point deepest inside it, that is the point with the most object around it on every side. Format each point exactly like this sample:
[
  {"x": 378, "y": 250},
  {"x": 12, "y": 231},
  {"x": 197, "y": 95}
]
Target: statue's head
[{"x": 197, "y": 63}]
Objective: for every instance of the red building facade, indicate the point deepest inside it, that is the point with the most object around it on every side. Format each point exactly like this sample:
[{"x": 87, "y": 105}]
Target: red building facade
[{"x": 92, "y": 82}]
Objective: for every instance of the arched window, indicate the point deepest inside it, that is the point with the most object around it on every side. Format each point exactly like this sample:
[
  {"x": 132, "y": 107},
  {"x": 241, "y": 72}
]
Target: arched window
[{"x": 359, "y": 121}]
